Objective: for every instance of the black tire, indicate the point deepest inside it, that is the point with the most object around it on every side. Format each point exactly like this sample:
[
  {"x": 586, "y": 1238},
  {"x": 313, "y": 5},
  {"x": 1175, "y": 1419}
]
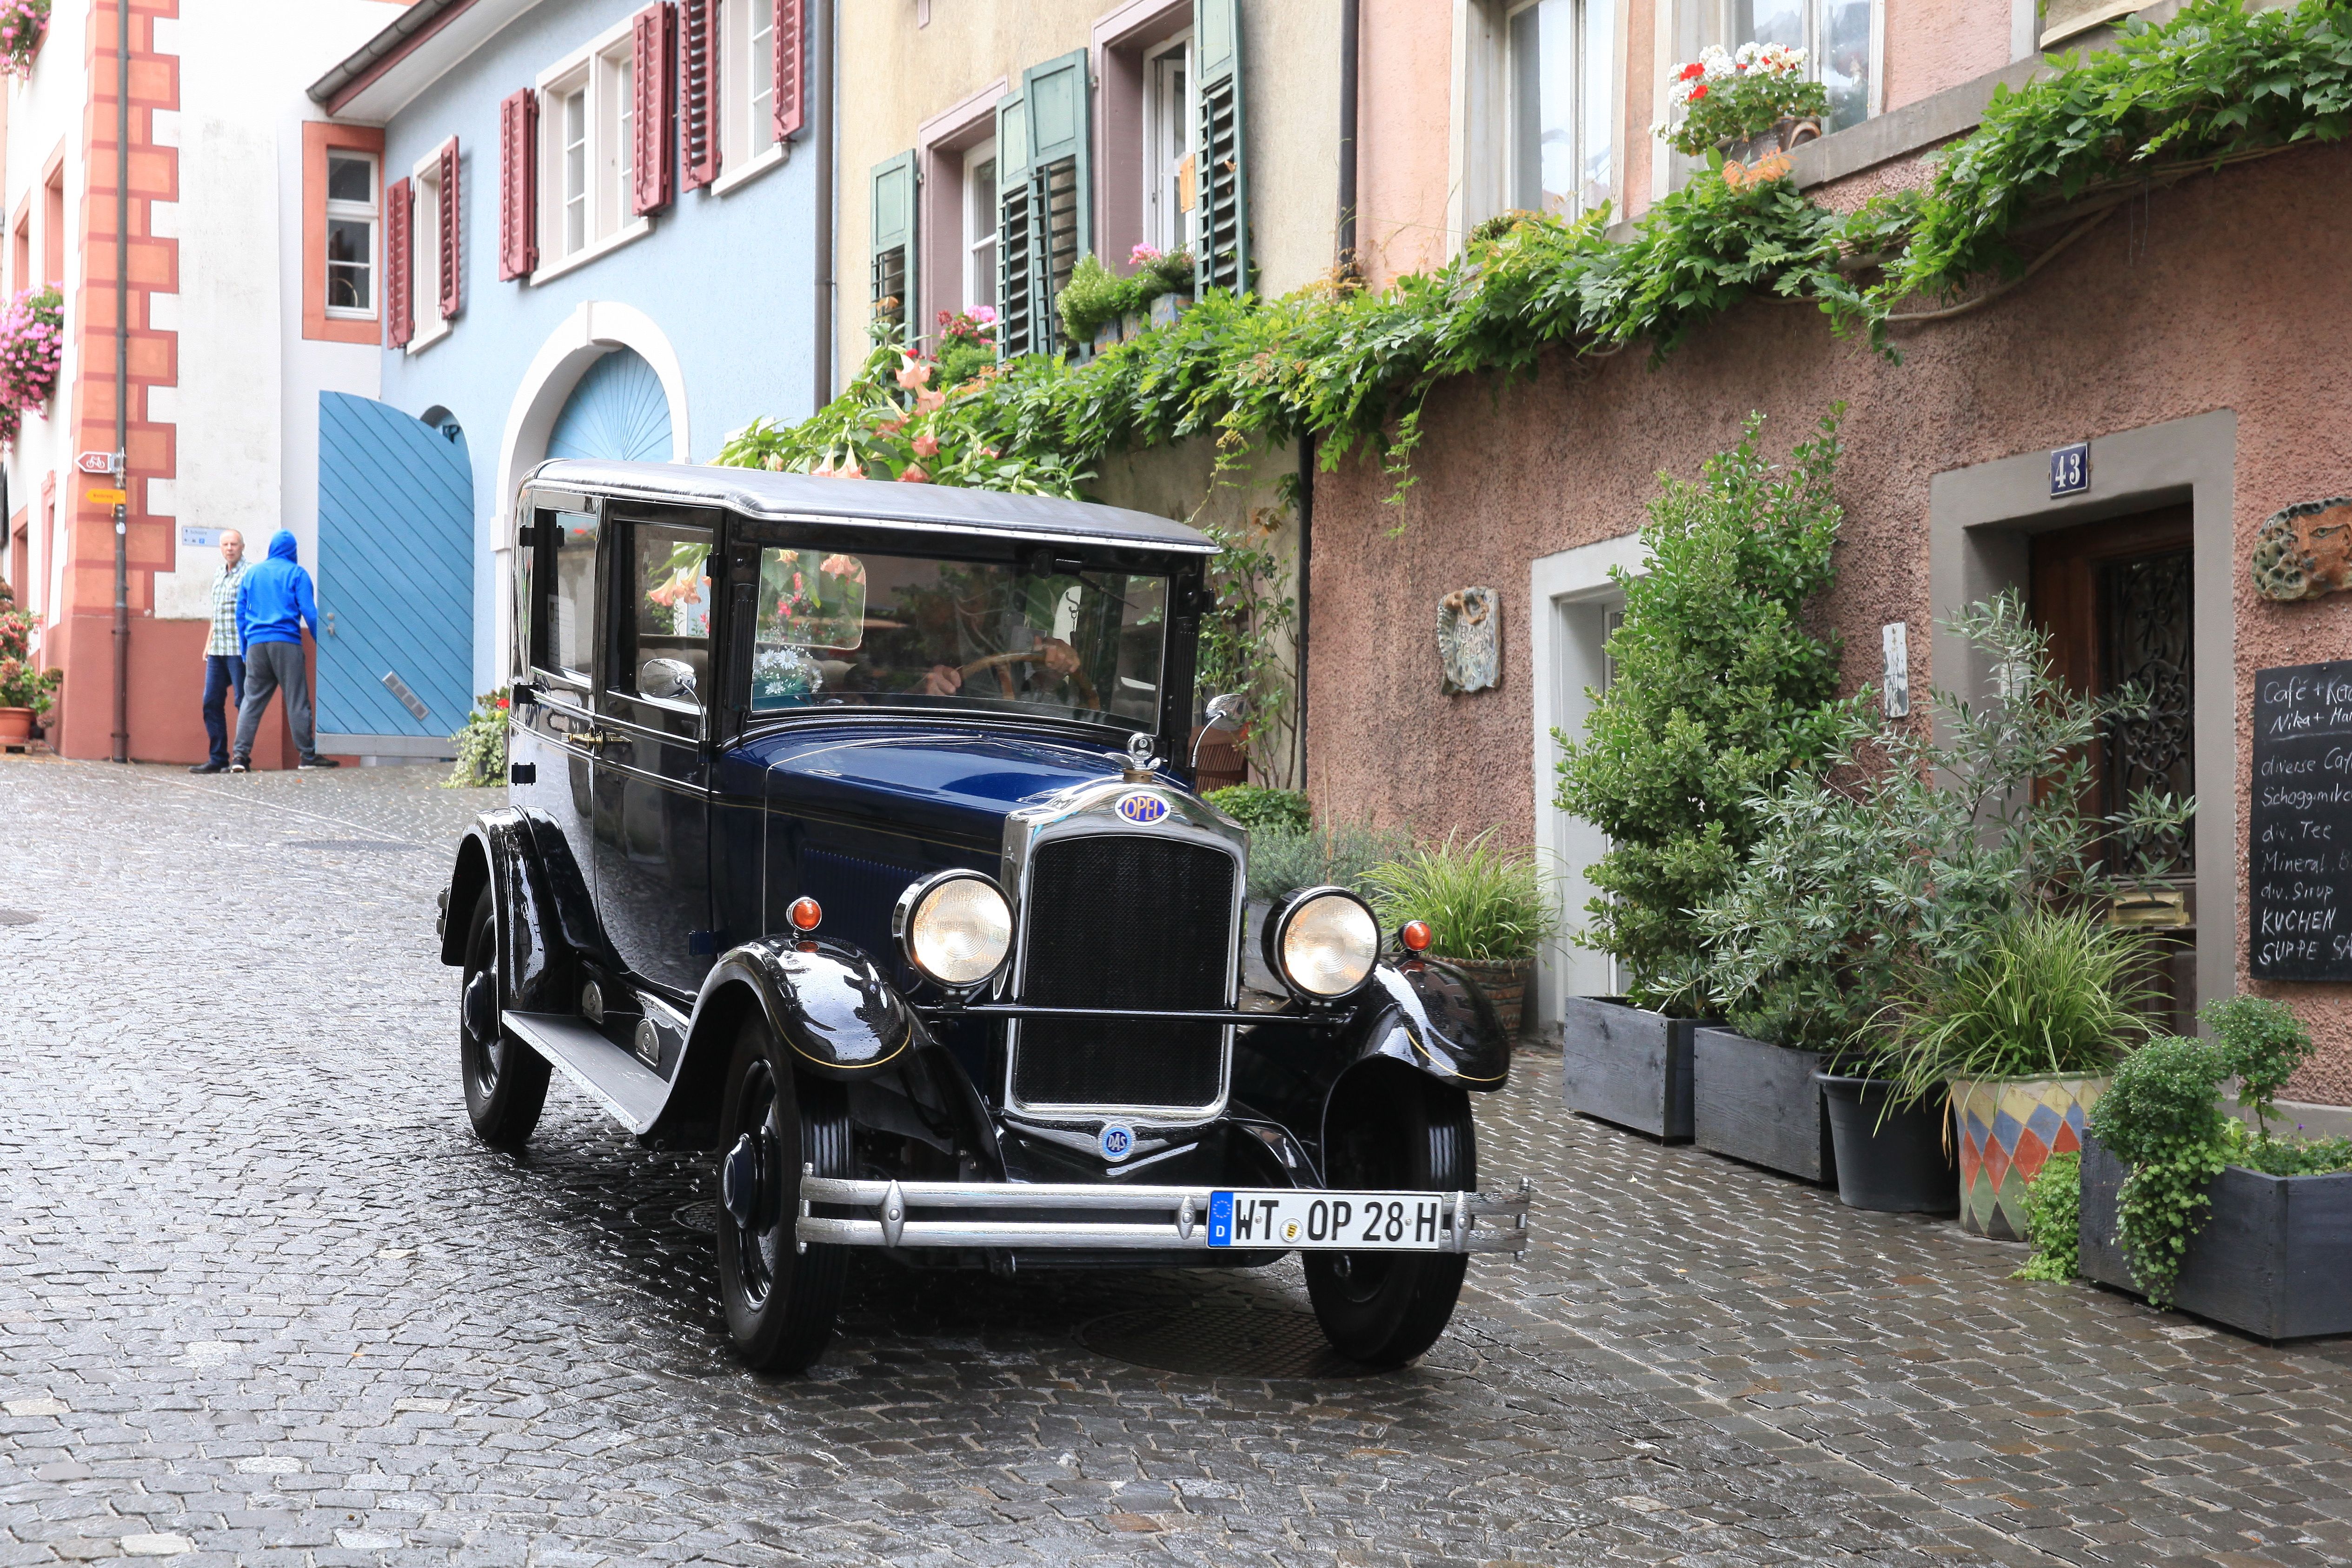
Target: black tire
[
  {"x": 781, "y": 1301},
  {"x": 1394, "y": 1131},
  {"x": 505, "y": 1083}
]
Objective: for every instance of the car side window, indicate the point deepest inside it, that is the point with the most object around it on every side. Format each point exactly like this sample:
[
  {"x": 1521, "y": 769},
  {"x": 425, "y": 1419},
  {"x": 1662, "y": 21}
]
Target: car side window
[
  {"x": 571, "y": 593},
  {"x": 666, "y": 613}
]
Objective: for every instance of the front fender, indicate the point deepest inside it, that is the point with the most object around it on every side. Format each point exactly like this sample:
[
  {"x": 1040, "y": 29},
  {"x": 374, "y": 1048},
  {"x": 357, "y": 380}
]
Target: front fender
[
  {"x": 827, "y": 1001},
  {"x": 1426, "y": 1013}
]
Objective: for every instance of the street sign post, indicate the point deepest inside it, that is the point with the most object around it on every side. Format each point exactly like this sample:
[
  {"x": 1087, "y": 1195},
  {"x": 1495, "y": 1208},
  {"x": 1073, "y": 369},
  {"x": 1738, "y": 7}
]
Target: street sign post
[
  {"x": 110, "y": 498},
  {"x": 99, "y": 462}
]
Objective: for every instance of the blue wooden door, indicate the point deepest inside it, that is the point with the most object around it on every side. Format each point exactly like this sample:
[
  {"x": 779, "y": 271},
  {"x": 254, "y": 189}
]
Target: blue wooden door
[{"x": 395, "y": 573}]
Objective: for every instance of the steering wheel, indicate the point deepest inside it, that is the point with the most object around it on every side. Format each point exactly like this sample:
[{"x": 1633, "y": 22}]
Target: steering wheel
[{"x": 1000, "y": 662}]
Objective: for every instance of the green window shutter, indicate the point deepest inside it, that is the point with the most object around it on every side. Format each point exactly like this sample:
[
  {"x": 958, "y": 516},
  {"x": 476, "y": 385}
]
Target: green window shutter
[
  {"x": 1060, "y": 103},
  {"x": 893, "y": 295},
  {"x": 1016, "y": 273},
  {"x": 1222, "y": 258}
]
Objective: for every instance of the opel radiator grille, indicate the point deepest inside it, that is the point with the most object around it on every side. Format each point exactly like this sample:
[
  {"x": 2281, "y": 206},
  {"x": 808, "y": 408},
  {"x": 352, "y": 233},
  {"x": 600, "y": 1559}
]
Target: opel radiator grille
[{"x": 1122, "y": 920}]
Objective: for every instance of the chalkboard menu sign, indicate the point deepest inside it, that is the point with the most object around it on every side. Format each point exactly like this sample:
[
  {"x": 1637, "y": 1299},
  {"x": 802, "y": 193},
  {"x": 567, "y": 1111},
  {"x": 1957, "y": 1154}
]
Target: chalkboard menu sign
[{"x": 2300, "y": 850}]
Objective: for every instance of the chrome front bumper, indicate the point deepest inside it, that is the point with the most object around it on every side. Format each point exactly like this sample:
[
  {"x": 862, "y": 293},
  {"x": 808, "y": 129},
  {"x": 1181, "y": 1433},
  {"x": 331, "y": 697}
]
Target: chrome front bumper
[{"x": 1185, "y": 1228}]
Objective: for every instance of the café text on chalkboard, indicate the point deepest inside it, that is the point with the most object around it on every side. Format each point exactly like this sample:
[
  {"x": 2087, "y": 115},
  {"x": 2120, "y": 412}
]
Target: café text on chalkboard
[{"x": 2299, "y": 860}]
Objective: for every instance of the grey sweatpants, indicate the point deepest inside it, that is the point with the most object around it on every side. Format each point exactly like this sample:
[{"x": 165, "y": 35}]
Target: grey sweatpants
[{"x": 267, "y": 666}]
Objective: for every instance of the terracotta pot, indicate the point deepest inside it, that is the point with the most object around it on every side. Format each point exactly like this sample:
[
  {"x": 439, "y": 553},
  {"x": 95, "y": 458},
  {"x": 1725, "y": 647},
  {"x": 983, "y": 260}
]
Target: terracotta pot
[
  {"x": 1786, "y": 135},
  {"x": 2007, "y": 1128},
  {"x": 15, "y": 726},
  {"x": 1505, "y": 985}
]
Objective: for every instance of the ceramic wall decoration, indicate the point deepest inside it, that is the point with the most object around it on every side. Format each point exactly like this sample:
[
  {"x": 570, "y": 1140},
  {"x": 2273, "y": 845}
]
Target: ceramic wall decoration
[
  {"x": 1470, "y": 640},
  {"x": 2304, "y": 551}
]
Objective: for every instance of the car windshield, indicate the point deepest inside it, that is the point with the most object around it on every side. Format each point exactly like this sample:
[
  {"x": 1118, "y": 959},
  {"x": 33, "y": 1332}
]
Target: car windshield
[{"x": 841, "y": 629}]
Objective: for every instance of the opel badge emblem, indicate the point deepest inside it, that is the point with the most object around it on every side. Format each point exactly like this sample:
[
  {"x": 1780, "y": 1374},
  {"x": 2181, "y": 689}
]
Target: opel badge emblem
[
  {"x": 1118, "y": 1140},
  {"x": 1142, "y": 809}
]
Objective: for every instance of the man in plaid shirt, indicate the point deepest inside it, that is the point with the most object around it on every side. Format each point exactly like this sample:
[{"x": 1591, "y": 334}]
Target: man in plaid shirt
[{"x": 223, "y": 651}]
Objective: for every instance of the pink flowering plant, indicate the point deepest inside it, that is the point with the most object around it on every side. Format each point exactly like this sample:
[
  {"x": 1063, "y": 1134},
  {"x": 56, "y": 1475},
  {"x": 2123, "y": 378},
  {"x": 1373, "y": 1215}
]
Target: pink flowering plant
[
  {"x": 22, "y": 685},
  {"x": 967, "y": 345},
  {"x": 22, "y": 24},
  {"x": 1729, "y": 98},
  {"x": 32, "y": 342}
]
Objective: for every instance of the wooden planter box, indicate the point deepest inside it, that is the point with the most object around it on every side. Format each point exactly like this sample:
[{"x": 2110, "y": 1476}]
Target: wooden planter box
[
  {"x": 2274, "y": 1256},
  {"x": 1759, "y": 1103},
  {"x": 1627, "y": 1065}
]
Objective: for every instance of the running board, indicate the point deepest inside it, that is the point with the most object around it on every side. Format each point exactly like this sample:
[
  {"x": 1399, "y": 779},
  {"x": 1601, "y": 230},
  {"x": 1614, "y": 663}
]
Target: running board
[{"x": 631, "y": 1093}]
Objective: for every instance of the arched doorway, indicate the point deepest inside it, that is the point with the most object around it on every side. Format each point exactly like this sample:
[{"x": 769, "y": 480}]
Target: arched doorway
[{"x": 618, "y": 409}]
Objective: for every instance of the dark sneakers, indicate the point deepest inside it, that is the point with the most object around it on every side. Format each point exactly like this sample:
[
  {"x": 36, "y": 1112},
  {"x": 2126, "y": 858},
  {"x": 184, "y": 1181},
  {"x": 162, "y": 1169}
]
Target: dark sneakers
[
  {"x": 238, "y": 766},
  {"x": 321, "y": 763},
  {"x": 209, "y": 768}
]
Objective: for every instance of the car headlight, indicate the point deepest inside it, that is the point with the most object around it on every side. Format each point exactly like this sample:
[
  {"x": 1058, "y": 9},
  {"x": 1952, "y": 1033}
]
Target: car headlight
[
  {"x": 955, "y": 928},
  {"x": 1323, "y": 944}
]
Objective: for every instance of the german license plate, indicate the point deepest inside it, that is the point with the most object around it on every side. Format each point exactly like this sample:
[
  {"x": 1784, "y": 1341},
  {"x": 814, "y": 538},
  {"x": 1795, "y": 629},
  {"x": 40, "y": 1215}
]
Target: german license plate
[{"x": 1333, "y": 1221}]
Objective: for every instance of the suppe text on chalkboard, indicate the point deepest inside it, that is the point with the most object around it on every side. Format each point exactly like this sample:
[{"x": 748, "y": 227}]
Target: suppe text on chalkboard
[{"x": 2299, "y": 855}]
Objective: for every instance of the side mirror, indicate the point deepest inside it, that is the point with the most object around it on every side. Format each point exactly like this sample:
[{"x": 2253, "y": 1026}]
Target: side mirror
[
  {"x": 1223, "y": 714},
  {"x": 665, "y": 678}
]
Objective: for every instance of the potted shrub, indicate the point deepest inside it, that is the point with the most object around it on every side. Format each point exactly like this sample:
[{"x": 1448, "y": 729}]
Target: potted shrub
[
  {"x": 1486, "y": 908},
  {"x": 1164, "y": 288},
  {"x": 2190, "y": 1207},
  {"x": 1750, "y": 104},
  {"x": 25, "y": 690},
  {"x": 1874, "y": 881},
  {"x": 2020, "y": 1040},
  {"x": 1719, "y": 692}
]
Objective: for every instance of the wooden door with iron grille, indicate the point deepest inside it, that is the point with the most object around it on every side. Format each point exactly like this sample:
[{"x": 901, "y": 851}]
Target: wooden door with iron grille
[{"x": 2116, "y": 598}]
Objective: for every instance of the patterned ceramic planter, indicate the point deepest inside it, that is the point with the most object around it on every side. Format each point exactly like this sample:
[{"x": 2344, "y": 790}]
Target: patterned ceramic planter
[{"x": 2007, "y": 1127}]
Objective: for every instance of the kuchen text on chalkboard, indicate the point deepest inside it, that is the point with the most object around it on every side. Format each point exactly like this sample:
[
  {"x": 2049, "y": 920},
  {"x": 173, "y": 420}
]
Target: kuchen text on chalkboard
[{"x": 2299, "y": 856}]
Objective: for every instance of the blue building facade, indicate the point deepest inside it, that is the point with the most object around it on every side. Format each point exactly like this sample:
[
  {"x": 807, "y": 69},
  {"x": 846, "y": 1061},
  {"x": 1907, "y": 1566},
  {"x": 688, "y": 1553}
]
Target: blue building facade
[{"x": 628, "y": 268}]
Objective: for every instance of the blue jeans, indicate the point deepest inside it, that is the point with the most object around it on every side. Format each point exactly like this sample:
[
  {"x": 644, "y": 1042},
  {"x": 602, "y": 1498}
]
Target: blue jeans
[{"x": 224, "y": 673}]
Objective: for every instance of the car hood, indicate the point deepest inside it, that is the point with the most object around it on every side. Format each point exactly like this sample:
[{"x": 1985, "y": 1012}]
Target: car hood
[{"x": 944, "y": 782}]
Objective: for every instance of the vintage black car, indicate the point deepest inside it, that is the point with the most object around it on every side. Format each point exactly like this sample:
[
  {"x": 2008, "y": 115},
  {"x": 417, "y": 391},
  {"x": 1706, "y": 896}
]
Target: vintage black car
[{"x": 851, "y": 836}]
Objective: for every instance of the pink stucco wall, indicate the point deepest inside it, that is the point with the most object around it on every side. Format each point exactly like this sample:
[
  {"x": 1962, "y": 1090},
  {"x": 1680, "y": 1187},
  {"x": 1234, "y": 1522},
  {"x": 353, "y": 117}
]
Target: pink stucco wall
[
  {"x": 1931, "y": 48},
  {"x": 2224, "y": 292},
  {"x": 1404, "y": 63}
]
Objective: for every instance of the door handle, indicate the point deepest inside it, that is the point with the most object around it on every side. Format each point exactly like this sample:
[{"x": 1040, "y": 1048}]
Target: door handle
[{"x": 330, "y": 623}]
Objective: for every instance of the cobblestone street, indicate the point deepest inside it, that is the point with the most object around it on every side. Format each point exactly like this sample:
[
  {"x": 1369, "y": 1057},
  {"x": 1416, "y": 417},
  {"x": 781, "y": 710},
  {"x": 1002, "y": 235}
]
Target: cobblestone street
[{"x": 265, "y": 1299}]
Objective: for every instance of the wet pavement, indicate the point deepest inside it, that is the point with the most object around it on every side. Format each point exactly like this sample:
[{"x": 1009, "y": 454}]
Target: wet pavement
[{"x": 263, "y": 1298}]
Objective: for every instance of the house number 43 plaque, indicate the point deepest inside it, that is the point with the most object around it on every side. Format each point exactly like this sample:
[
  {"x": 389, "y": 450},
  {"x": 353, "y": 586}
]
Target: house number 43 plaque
[{"x": 2300, "y": 846}]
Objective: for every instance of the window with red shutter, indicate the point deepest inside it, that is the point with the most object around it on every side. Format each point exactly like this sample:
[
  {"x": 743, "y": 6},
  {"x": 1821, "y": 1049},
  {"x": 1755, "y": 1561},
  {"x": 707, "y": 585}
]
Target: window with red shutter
[
  {"x": 519, "y": 184},
  {"x": 791, "y": 41},
  {"x": 652, "y": 61},
  {"x": 447, "y": 247},
  {"x": 698, "y": 92},
  {"x": 399, "y": 300}
]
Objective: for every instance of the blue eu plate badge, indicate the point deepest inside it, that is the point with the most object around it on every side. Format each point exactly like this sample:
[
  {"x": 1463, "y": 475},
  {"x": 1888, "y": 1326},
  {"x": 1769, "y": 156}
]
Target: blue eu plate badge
[{"x": 1142, "y": 809}]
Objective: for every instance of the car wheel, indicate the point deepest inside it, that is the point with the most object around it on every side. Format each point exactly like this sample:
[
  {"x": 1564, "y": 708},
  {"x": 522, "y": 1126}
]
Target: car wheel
[
  {"x": 781, "y": 1301},
  {"x": 1392, "y": 1131},
  {"x": 505, "y": 1083}
]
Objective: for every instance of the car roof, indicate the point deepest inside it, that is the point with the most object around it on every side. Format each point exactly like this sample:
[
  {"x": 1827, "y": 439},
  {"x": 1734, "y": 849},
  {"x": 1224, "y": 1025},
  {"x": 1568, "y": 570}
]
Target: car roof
[{"x": 921, "y": 508}]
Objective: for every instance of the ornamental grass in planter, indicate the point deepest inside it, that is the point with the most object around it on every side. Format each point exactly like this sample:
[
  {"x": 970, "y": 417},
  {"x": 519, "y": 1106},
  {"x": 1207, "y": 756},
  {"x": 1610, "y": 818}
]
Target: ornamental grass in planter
[
  {"x": 2020, "y": 1039},
  {"x": 1883, "y": 914},
  {"x": 1488, "y": 910},
  {"x": 2190, "y": 1207}
]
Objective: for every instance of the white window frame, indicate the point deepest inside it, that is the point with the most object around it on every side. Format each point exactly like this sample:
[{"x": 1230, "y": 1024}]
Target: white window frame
[
  {"x": 370, "y": 212},
  {"x": 978, "y": 200},
  {"x": 602, "y": 71},
  {"x": 1479, "y": 181},
  {"x": 1171, "y": 122},
  {"x": 427, "y": 325},
  {"x": 748, "y": 147},
  {"x": 1510, "y": 107}
]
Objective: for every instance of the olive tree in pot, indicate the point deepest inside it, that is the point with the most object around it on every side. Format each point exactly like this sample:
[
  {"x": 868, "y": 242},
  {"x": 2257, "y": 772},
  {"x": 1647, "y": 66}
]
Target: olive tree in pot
[
  {"x": 1905, "y": 911},
  {"x": 1718, "y": 691},
  {"x": 1486, "y": 908}
]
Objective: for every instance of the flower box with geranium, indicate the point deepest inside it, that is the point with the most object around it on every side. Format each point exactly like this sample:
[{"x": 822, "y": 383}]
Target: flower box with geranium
[
  {"x": 1730, "y": 99},
  {"x": 32, "y": 344},
  {"x": 22, "y": 686},
  {"x": 22, "y": 24}
]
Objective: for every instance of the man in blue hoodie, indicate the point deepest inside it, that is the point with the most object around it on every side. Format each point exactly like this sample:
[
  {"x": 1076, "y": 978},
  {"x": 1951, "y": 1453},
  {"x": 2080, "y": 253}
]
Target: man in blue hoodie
[{"x": 273, "y": 606}]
